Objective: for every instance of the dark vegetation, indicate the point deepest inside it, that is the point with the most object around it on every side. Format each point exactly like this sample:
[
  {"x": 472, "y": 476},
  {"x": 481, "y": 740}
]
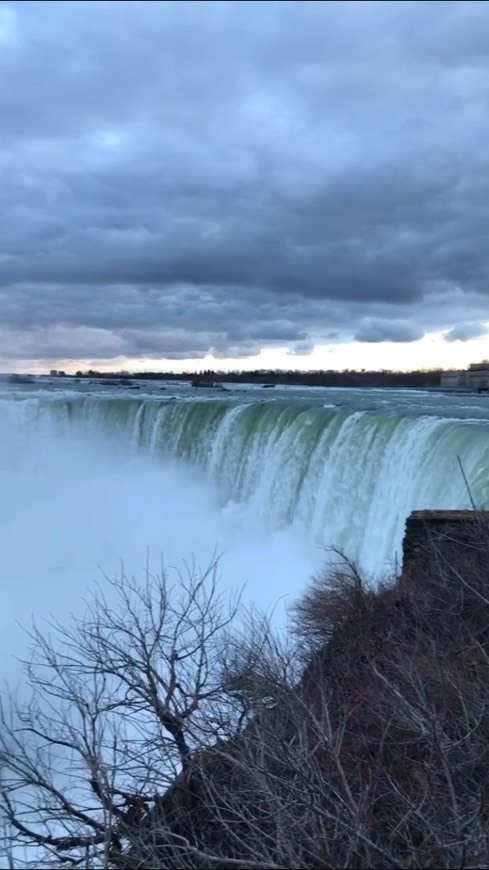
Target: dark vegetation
[
  {"x": 350, "y": 378},
  {"x": 165, "y": 730}
]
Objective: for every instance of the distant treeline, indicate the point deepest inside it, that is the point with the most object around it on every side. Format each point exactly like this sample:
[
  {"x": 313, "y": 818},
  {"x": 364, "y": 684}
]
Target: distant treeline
[{"x": 347, "y": 378}]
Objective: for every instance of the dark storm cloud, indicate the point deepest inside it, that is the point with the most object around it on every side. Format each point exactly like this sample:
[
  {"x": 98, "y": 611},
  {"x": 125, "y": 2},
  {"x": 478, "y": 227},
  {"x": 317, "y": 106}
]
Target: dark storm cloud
[
  {"x": 466, "y": 331},
  {"x": 180, "y": 177}
]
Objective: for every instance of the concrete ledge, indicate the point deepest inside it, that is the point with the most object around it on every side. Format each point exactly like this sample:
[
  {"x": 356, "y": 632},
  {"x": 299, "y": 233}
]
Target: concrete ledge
[{"x": 446, "y": 534}]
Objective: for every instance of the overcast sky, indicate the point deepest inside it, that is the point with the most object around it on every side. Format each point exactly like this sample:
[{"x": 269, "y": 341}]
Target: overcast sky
[{"x": 179, "y": 179}]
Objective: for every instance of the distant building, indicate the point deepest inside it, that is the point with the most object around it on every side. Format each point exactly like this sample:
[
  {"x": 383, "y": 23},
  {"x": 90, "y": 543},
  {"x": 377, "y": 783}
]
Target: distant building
[
  {"x": 454, "y": 380},
  {"x": 475, "y": 378},
  {"x": 53, "y": 373}
]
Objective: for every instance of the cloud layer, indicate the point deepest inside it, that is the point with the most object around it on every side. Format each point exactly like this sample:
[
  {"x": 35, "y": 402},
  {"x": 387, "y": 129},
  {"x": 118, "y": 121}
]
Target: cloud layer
[{"x": 185, "y": 177}]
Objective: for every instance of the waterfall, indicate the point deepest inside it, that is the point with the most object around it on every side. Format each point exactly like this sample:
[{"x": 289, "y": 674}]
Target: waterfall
[{"x": 339, "y": 476}]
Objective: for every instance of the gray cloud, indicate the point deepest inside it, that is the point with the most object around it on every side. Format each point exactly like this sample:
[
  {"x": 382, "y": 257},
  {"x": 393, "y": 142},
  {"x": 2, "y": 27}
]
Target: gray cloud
[
  {"x": 388, "y": 330},
  {"x": 466, "y": 331},
  {"x": 180, "y": 177}
]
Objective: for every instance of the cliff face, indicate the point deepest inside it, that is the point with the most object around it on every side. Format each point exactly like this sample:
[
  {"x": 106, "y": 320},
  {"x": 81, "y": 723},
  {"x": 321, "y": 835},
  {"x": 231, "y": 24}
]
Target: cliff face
[{"x": 379, "y": 756}]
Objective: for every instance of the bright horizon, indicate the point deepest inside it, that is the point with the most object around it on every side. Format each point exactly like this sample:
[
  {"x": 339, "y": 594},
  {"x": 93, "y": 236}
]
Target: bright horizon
[{"x": 431, "y": 352}]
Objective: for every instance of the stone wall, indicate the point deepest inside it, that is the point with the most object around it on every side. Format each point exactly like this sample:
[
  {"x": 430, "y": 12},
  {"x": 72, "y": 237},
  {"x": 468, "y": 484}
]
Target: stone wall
[{"x": 445, "y": 535}]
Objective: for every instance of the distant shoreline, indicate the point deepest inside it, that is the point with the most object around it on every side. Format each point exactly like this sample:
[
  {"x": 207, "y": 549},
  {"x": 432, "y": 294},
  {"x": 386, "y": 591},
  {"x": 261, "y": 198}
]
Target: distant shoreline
[
  {"x": 350, "y": 379},
  {"x": 418, "y": 379}
]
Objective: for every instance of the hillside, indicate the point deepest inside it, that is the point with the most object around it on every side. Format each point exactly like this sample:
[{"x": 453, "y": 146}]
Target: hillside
[{"x": 161, "y": 735}]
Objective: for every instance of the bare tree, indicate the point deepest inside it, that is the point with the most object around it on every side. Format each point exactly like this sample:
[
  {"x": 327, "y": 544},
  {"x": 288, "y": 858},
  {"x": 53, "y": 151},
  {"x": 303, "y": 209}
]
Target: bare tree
[
  {"x": 163, "y": 732},
  {"x": 119, "y": 701}
]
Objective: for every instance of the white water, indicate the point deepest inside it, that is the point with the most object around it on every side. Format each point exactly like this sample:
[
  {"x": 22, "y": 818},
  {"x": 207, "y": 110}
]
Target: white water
[
  {"x": 88, "y": 480},
  {"x": 71, "y": 507}
]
